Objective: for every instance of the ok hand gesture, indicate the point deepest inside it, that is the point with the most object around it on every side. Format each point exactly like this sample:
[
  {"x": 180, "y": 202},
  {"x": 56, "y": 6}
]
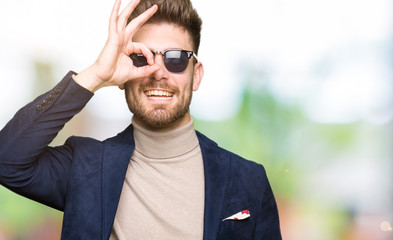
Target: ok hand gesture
[{"x": 114, "y": 67}]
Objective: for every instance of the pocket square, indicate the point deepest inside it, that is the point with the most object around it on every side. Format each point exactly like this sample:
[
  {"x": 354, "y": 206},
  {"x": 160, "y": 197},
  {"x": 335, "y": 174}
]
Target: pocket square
[{"x": 239, "y": 216}]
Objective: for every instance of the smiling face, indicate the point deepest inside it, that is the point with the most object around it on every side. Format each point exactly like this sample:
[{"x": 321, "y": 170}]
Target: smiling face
[{"x": 162, "y": 100}]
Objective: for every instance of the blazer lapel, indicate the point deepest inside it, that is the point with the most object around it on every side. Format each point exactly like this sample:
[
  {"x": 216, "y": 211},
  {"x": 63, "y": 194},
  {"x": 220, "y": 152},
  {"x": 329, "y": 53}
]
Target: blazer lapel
[
  {"x": 117, "y": 154},
  {"x": 217, "y": 174}
]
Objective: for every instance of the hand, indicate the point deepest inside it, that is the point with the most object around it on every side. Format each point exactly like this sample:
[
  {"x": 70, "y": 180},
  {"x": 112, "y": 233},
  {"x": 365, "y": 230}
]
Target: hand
[{"x": 114, "y": 67}]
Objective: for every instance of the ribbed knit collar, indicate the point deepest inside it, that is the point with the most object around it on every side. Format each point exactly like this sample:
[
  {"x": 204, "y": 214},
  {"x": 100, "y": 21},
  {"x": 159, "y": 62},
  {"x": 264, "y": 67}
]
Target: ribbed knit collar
[{"x": 165, "y": 144}]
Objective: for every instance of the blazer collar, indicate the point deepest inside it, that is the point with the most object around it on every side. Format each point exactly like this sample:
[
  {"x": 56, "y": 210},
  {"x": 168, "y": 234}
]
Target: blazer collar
[{"x": 116, "y": 157}]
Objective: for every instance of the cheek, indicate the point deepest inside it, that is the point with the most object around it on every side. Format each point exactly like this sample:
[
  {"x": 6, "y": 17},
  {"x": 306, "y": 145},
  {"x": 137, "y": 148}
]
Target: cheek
[
  {"x": 188, "y": 81},
  {"x": 132, "y": 87},
  {"x": 186, "y": 87}
]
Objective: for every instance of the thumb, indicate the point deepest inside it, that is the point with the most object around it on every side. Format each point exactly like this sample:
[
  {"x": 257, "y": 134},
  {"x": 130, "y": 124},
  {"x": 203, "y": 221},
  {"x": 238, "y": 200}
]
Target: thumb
[{"x": 145, "y": 71}]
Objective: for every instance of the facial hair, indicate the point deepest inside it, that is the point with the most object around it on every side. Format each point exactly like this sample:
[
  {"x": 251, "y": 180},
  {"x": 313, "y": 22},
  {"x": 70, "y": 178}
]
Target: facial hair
[{"x": 161, "y": 115}]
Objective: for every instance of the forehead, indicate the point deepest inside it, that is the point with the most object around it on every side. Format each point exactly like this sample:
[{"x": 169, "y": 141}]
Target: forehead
[{"x": 163, "y": 36}]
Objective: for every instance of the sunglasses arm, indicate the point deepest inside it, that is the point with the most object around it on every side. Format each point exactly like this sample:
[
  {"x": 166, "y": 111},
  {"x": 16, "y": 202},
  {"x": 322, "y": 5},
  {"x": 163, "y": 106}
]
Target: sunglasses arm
[{"x": 195, "y": 56}]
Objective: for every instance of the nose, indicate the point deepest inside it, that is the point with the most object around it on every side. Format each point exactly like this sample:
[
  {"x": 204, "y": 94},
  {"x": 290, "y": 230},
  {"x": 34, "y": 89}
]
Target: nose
[{"x": 162, "y": 73}]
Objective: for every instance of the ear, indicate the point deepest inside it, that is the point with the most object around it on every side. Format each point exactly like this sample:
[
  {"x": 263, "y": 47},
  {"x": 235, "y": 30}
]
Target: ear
[{"x": 198, "y": 75}]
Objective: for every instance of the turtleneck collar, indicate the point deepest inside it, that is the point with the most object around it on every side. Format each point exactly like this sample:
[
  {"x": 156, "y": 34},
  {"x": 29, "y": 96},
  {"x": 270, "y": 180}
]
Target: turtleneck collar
[{"x": 165, "y": 144}]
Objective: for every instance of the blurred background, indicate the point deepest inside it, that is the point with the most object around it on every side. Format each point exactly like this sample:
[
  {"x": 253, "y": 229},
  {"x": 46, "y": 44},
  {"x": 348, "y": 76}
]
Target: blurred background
[{"x": 303, "y": 87}]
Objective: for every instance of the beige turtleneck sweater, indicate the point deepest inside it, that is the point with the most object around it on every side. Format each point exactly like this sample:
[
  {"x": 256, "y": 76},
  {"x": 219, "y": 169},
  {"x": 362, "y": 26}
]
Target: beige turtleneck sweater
[{"x": 163, "y": 192}]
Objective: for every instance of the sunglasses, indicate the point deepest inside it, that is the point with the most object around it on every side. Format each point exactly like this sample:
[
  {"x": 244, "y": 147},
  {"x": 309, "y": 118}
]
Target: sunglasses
[{"x": 175, "y": 60}]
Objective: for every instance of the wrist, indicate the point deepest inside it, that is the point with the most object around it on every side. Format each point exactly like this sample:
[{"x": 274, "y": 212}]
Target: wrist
[{"x": 89, "y": 80}]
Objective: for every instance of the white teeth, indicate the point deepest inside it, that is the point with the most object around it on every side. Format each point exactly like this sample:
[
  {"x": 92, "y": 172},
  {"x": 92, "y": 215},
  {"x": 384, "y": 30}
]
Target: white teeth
[{"x": 156, "y": 94}]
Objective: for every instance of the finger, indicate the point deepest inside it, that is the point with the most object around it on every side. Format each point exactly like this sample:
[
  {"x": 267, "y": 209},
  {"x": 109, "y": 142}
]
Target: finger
[
  {"x": 125, "y": 14},
  {"x": 113, "y": 17},
  {"x": 145, "y": 71},
  {"x": 137, "y": 22},
  {"x": 134, "y": 47},
  {"x": 140, "y": 72}
]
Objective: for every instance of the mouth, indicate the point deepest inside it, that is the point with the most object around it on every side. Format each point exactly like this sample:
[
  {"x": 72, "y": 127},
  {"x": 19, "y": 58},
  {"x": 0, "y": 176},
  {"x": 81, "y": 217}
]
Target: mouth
[{"x": 158, "y": 94}]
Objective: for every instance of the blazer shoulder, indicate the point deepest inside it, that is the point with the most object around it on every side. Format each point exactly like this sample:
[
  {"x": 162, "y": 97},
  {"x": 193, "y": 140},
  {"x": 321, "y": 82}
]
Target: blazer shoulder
[
  {"x": 240, "y": 166},
  {"x": 246, "y": 169},
  {"x": 83, "y": 142}
]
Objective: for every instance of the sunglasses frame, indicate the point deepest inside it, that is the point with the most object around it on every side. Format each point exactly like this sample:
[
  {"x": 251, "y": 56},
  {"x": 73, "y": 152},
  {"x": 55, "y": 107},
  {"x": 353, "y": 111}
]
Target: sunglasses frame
[{"x": 163, "y": 53}]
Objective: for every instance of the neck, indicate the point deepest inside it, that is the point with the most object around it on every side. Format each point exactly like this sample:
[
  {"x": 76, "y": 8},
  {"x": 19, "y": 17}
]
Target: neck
[{"x": 165, "y": 143}]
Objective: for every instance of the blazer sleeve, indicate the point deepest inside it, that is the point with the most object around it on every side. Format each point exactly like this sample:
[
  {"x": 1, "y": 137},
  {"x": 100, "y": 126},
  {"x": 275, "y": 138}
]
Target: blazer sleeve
[{"x": 27, "y": 165}]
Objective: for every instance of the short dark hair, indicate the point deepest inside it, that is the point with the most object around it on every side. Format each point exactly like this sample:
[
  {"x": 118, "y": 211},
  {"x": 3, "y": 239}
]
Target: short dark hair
[{"x": 178, "y": 12}]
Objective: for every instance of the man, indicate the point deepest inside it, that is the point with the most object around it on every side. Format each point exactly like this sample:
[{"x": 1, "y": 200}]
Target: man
[{"x": 158, "y": 179}]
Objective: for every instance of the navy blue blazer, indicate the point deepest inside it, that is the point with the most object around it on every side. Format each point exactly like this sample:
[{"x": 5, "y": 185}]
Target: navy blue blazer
[{"x": 84, "y": 177}]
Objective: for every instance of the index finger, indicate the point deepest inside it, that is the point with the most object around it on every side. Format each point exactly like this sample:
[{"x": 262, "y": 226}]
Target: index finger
[
  {"x": 134, "y": 47},
  {"x": 124, "y": 15}
]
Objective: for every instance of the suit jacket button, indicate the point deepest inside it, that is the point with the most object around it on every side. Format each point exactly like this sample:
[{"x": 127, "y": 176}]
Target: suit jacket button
[{"x": 40, "y": 107}]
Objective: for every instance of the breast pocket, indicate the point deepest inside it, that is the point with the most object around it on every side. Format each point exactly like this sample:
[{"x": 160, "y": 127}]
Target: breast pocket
[{"x": 237, "y": 228}]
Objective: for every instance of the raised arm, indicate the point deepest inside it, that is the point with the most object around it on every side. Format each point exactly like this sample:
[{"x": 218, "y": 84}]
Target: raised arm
[{"x": 27, "y": 165}]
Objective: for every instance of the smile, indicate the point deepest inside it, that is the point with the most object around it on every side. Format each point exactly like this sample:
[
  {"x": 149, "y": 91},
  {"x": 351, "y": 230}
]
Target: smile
[{"x": 158, "y": 94}]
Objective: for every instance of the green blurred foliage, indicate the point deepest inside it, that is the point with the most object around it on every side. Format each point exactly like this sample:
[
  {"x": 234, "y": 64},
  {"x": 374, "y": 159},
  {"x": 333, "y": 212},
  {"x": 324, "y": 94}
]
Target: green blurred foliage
[
  {"x": 19, "y": 215},
  {"x": 278, "y": 136},
  {"x": 260, "y": 132}
]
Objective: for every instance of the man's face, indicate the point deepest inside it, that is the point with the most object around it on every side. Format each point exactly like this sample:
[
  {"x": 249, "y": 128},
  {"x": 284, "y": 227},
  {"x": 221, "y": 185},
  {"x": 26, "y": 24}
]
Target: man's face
[{"x": 162, "y": 100}]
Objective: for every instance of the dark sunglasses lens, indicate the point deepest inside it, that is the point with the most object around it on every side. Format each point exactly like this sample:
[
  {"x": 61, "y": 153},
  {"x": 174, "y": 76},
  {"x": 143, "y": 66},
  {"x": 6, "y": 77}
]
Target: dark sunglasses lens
[
  {"x": 138, "y": 59},
  {"x": 176, "y": 61}
]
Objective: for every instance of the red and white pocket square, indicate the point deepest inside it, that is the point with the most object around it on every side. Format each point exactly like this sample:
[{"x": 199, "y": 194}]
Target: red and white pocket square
[{"x": 239, "y": 216}]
